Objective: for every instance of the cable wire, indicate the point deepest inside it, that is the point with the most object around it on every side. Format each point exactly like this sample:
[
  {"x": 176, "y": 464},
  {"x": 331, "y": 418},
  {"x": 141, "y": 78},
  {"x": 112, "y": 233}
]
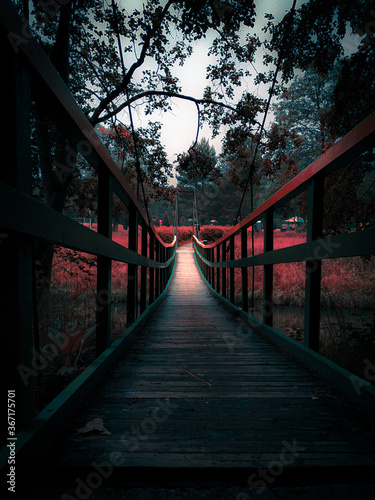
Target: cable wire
[
  {"x": 134, "y": 135},
  {"x": 251, "y": 172}
]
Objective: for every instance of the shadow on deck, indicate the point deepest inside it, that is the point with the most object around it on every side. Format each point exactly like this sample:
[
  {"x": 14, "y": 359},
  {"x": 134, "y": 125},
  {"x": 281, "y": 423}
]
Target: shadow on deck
[{"x": 199, "y": 391}]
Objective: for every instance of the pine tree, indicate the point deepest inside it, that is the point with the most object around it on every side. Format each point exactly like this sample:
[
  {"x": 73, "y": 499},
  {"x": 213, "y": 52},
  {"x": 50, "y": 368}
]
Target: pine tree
[{"x": 166, "y": 221}]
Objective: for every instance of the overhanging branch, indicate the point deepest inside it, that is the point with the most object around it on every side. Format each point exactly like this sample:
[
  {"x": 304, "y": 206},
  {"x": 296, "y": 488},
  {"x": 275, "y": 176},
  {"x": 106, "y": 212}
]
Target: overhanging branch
[{"x": 152, "y": 93}]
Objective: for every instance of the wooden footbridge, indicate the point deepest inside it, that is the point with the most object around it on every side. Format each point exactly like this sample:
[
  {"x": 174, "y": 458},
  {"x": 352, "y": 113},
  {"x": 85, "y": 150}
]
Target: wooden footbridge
[{"x": 195, "y": 382}]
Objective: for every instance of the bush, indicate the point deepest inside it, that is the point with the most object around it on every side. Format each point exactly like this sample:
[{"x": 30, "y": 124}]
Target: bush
[
  {"x": 184, "y": 235},
  {"x": 211, "y": 233},
  {"x": 165, "y": 233}
]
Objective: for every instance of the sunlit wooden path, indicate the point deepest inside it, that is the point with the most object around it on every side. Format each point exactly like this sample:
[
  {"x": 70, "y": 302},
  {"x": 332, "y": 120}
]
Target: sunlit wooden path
[{"x": 199, "y": 389}]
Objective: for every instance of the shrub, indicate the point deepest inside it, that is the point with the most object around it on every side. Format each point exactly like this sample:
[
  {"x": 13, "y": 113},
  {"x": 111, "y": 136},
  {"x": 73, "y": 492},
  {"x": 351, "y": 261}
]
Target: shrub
[
  {"x": 211, "y": 233},
  {"x": 184, "y": 235},
  {"x": 165, "y": 233}
]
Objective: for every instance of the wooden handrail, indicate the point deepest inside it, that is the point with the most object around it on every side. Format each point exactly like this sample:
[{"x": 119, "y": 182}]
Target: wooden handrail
[
  {"x": 333, "y": 159},
  {"x": 312, "y": 252},
  {"x": 31, "y": 76}
]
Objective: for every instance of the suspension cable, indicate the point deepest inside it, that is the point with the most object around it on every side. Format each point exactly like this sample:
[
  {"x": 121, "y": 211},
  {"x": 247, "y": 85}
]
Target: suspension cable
[
  {"x": 249, "y": 179},
  {"x": 134, "y": 135},
  {"x": 252, "y": 166}
]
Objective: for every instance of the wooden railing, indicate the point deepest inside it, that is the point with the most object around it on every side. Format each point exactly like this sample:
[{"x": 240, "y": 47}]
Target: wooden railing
[
  {"x": 31, "y": 77},
  {"x": 217, "y": 260}
]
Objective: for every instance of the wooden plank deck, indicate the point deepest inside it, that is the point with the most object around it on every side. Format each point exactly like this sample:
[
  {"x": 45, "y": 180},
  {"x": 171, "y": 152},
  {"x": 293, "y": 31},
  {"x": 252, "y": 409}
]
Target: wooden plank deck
[{"x": 199, "y": 389}]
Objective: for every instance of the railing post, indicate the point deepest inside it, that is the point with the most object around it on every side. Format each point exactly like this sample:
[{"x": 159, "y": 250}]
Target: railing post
[
  {"x": 163, "y": 270},
  {"x": 224, "y": 270},
  {"x": 205, "y": 266},
  {"x": 157, "y": 270},
  {"x": 132, "y": 268},
  {"x": 16, "y": 252},
  {"x": 152, "y": 269},
  {"x": 313, "y": 265},
  {"x": 218, "y": 269},
  {"x": 213, "y": 269},
  {"x": 268, "y": 270},
  {"x": 103, "y": 282},
  {"x": 143, "y": 302},
  {"x": 231, "y": 270},
  {"x": 244, "y": 274}
]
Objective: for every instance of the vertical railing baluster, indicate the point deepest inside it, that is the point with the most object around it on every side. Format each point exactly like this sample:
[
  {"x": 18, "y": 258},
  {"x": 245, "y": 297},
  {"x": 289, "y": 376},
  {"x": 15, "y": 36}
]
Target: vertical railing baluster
[
  {"x": 268, "y": 270},
  {"x": 132, "y": 268},
  {"x": 16, "y": 252},
  {"x": 143, "y": 298},
  {"x": 157, "y": 270},
  {"x": 244, "y": 273},
  {"x": 231, "y": 270},
  {"x": 224, "y": 270},
  {"x": 313, "y": 265},
  {"x": 214, "y": 269},
  {"x": 152, "y": 270},
  {"x": 163, "y": 271},
  {"x": 218, "y": 269},
  {"x": 104, "y": 264}
]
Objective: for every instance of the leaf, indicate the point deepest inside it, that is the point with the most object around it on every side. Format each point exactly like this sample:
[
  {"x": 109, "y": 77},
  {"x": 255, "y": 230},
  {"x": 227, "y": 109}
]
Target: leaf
[{"x": 94, "y": 426}]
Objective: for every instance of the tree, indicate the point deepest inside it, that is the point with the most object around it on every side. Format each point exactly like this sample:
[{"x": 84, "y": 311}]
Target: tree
[
  {"x": 315, "y": 40},
  {"x": 166, "y": 221},
  {"x": 299, "y": 131},
  {"x": 197, "y": 169}
]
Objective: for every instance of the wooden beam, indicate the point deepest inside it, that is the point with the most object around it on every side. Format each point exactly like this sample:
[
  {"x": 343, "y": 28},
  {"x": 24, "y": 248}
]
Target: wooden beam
[
  {"x": 24, "y": 215},
  {"x": 17, "y": 293},
  {"x": 132, "y": 299},
  {"x": 313, "y": 266},
  {"x": 333, "y": 247},
  {"x": 144, "y": 247},
  {"x": 244, "y": 273},
  {"x": 223, "y": 270},
  {"x": 337, "y": 156},
  {"x": 104, "y": 264},
  {"x": 268, "y": 270}
]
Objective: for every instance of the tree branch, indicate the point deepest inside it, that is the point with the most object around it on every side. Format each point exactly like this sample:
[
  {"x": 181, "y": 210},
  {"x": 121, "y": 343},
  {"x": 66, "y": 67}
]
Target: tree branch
[
  {"x": 166, "y": 93},
  {"x": 122, "y": 87}
]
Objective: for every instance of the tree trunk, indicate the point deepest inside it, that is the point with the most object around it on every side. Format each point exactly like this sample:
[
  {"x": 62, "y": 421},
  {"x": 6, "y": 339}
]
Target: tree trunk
[{"x": 56, "y": 174}]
